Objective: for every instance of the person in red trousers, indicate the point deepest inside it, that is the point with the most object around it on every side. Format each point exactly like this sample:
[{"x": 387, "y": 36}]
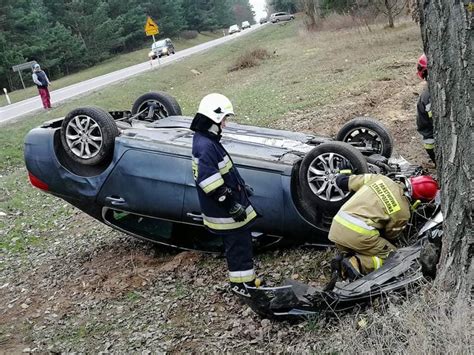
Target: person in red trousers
[{"x": 42, "y": 82}]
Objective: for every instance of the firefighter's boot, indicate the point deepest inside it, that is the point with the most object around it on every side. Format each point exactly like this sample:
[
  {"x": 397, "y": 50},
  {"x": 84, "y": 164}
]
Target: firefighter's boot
[
  {"x": 351, "y": 268},
  {"x": 335, "y": 273},
  {"x": 239, "y": 287}
]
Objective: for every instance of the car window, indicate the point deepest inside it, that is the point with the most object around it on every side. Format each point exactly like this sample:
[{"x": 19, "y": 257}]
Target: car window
[{"x": 162, "y": 231}]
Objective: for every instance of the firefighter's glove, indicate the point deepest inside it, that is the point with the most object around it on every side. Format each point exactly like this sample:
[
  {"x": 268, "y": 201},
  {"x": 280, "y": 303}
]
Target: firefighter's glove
[
  {"x": 249, "y": 190},
  {"x": 237, "y": 211},
  {"x": 342, "y": 181},
  {"x": 345, "y": 168}
]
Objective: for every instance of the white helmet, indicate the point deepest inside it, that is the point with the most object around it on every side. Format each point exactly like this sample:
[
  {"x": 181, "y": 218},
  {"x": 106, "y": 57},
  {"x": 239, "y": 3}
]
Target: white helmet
[{"x": 216, "y": 107}]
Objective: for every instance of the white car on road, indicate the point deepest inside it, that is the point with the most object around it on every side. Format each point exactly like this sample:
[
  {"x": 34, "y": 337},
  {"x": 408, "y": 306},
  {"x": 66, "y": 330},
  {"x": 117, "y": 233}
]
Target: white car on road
[{"x": 234, "y": 29}]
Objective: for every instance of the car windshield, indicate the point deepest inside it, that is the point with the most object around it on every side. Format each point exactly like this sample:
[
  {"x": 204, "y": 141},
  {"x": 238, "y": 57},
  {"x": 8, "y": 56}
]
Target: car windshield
[{"x": 159, "y": 44}]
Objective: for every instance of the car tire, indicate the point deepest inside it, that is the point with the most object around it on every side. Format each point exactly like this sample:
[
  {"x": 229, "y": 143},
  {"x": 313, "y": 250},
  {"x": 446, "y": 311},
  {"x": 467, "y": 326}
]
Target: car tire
[
  {"x": 318, "y": 171},
  {"x": 166, "y": 104},
  {"x": 367, "y": 135},
  {"x": 88, "y": 135}
]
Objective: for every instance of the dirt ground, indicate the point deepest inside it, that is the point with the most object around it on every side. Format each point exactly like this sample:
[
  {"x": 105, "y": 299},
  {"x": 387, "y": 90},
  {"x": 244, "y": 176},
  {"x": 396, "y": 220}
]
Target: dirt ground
[
  {"x": 391, "y": 101},
  {"x": 96, "y": 290}
]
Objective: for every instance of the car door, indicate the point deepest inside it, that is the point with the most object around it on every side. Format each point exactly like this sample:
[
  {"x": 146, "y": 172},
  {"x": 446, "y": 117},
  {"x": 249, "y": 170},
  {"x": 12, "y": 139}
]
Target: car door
[
  {"x": 147, "y": 183},
  {"x": 267, "y": 199}
]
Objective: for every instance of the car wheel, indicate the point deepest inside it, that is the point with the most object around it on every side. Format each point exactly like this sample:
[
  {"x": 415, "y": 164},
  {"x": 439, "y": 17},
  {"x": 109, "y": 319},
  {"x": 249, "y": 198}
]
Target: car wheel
[
  {"x": 154, "y": 106},
  {"x": 318, "y": 171},
  {"x": 367, "y": 135},
  {"x": 88, "y": 135}
]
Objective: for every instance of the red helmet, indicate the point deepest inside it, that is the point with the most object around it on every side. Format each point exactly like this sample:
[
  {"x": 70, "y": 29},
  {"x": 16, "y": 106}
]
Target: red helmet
[
  {"x": 422, "y": 67},
  {"x": 423, "y": 188}
]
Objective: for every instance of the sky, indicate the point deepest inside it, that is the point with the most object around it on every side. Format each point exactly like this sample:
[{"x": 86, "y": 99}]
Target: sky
[{"x": 259, "y": 8}]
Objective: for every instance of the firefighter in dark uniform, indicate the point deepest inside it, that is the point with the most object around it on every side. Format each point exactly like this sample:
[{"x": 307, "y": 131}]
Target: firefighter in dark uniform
[
  {"x": 366, "y": 226},
  {"x": 223, "y": 194},
  {"x": 424, "y": 119}
]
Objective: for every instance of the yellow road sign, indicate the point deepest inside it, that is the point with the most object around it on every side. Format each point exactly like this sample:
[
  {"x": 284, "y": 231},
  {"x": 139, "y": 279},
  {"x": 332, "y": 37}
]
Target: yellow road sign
[{"x": 151, "y": 28}]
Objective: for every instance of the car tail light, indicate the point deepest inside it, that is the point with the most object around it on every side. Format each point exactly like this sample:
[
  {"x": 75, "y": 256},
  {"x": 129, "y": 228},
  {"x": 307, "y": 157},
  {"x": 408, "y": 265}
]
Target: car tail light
[{"x": 37, "y": 182}]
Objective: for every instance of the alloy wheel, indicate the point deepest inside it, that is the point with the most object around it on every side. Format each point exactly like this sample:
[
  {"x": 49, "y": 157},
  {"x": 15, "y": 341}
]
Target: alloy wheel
[
  {"x": 84, "y": 136},
  {"x": 322, "y": 174}
]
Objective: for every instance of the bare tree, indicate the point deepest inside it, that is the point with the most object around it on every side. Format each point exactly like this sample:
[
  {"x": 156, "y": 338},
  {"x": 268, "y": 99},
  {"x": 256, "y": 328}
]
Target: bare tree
[
  {"x": 413, "y": 10},
  {"x": 446, "y": 28},
  {"x": 312, "y": 12},
  {"x": 269, "y": 8},
  {"x": 391, "y": 9}
]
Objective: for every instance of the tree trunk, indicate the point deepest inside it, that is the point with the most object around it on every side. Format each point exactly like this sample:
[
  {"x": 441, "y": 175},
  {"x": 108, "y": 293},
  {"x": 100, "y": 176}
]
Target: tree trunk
[
  {"x": 448, "y": 43},
  {"x": 389, "y": 7}
]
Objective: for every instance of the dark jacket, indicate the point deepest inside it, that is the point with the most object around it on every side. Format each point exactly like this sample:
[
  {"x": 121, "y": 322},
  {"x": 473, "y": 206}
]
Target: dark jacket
[
  {"x": 213, "y": 168},
  {"x": 41, "y": 78},
  {"x": 424, "y": 120}
]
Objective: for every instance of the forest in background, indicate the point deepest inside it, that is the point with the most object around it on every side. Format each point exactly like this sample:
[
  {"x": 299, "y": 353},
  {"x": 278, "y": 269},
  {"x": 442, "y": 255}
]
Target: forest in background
[{"x": 65, "y": 36}]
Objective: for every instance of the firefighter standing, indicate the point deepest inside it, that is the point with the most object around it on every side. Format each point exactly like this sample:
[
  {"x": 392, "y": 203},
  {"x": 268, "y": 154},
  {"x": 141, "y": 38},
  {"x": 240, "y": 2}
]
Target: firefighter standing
[
  {"x": 424, "y": 119},
  {"x": 223, "y": 195},
  {"x": 368, "y": 223}
]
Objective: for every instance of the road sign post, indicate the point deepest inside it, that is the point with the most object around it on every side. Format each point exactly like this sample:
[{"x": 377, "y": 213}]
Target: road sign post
[
  {"x": 151, "y": 28},
  {"x": 23, "y": 66}
]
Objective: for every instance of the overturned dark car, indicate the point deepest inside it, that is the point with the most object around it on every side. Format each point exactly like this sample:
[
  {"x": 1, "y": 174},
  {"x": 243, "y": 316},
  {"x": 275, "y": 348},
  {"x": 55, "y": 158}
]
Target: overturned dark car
[{"x": 132, "y": 171}]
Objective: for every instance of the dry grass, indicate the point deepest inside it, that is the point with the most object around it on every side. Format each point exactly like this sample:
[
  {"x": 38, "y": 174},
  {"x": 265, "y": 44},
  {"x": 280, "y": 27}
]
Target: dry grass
[
  {"x": 428, "y": 322},
  {"x": 335, "y": 21},
  {"x": 189, "y": 34},
  {"x": 250, "y": 59}
]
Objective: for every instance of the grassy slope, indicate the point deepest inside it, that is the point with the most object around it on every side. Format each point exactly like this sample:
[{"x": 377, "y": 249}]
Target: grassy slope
[
  {"x": 110, "y": 65},
  {"x": 304, "y": 73}
]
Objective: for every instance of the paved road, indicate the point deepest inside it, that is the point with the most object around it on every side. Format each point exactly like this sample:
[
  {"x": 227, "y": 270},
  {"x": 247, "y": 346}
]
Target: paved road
[{"x": 10, "y": 112}]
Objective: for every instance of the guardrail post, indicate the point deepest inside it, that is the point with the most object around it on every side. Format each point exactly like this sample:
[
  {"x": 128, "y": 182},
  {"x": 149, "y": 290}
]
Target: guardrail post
[{"x": 6, "y": 95}]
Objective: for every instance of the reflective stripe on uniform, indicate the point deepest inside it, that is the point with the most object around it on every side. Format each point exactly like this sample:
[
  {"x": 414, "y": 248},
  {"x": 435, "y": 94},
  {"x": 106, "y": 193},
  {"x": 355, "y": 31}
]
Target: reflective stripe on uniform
[
  {"x": 428, "y": 110},
  {"x": 211, "y": 183},
  {"x": 355, "y": 224},
  {"x": 429, "y": 143},
  {"x": 378, "y": 262},
  {"x": 242, "y": 276},
  {"x": 228, "y": 223},
  {"x": 366, "y": 178},
  {"x": 225, "y": 165}
]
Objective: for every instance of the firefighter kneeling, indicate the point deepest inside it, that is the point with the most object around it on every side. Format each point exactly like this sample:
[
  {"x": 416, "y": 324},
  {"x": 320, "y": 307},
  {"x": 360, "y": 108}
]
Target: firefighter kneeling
[{"x": 367, "y": 224}]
